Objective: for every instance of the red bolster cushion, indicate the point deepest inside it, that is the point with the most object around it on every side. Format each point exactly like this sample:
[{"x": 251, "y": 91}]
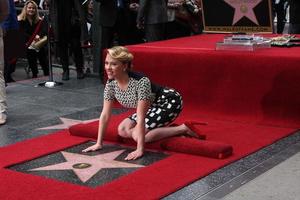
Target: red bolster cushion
[
  {"x": 193, "y": 146},
  {"x": 90, "y": 130}
]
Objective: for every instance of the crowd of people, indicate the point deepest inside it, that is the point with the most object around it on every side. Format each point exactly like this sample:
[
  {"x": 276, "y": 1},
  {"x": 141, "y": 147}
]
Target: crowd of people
[
  {"x": 30, "y": 24},
  {"x": 122, "y": 22},
  {"x": 67, "y": 24}
]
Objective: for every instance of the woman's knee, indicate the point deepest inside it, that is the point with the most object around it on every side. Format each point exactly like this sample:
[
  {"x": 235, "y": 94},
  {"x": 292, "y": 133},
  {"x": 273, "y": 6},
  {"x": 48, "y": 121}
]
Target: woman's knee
[
  {"x": 125, "y": 128},
  {"x": 123, "y": 132}
]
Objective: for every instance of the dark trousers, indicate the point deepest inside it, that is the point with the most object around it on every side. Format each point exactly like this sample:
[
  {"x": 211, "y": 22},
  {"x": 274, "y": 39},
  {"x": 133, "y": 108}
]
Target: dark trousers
[
  {"x": 294, "y": 28},
  {"x": 280, "y": 13},
  {"x": 33, "y": 56},
  {"x": 120, "y": 31},
  {"x": 155, "y": 32},
  {"x": 9, "y": 68},
  {"x": 71, "y": 42},
  {"x": 177, "y": 29}
]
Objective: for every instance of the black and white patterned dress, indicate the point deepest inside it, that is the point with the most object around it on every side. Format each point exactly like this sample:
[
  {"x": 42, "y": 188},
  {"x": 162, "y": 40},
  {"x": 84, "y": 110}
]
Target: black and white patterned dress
[{"x": 166, "y": 103}]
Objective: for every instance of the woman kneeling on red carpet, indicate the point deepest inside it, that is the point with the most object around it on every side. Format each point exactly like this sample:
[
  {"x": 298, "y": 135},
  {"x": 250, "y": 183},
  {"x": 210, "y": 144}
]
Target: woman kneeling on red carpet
[{"x": 156, "y": 106}]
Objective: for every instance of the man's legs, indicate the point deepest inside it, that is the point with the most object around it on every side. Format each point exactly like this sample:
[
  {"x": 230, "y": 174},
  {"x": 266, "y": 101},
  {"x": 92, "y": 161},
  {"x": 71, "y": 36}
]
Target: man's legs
[
  {"x": 78, "y": 56},
  {"x": 64, "y": 59},
  {"x": 280, "y": 13},
  {"x": 155, "y": 32},
  {"x": 294, "y": 28}
]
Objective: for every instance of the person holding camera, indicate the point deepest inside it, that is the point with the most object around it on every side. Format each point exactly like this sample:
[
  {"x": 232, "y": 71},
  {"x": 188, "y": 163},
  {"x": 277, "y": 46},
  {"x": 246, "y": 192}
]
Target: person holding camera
[{"x": 35, "y": 30}]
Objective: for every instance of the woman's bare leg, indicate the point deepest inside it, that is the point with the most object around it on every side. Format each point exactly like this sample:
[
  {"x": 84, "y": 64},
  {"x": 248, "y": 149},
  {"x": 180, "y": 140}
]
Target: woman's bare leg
[
  {"x": 125, "y": 128},
  {"x": 169, "y": 131}
]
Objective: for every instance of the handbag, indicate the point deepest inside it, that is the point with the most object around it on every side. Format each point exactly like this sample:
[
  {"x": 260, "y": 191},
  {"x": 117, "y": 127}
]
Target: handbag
[
  {"x": 37, "y": 45},
  {"x": 190, "y": 15},
  {"x": 191, "y": 6},
  {"x": 32, "y": 43}
]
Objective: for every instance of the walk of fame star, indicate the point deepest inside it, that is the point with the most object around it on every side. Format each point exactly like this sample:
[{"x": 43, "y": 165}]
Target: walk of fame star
[
  {"x": 66, "y": 123},
  {"x": 86, "y": 167},
  {"x": 243, "y": 8}
]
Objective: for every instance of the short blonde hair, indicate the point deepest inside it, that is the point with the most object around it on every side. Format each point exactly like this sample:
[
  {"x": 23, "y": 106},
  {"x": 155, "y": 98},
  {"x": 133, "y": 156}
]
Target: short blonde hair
[
  {"x": 23, "y": 14},
  {"x": 121, "y": 54}
]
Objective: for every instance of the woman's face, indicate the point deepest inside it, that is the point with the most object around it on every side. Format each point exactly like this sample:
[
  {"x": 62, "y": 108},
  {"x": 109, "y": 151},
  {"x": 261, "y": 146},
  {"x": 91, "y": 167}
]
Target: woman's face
[
  {"x": 46, "y": 5},
  {"x": 90, "y": 5},
  {"x": 114, "y": 68},
  {"x": 31, "y": 10}
]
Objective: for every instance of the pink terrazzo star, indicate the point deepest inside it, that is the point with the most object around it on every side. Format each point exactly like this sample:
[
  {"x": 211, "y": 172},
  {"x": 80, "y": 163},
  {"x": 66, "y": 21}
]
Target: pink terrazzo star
[
  {"x": 91, "y": 164},
  {"x": 243, "y": 8},
  {"x": 66, "y": 123}
]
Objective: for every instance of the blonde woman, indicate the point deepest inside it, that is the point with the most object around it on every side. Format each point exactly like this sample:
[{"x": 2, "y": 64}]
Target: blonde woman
[
  {"x": 156, "y": 106},
  {"x": 34, "y": 28}
]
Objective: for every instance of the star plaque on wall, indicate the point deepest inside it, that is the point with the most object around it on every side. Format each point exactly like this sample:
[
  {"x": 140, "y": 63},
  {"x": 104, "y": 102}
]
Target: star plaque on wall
[{"x": 237, "y": 16}]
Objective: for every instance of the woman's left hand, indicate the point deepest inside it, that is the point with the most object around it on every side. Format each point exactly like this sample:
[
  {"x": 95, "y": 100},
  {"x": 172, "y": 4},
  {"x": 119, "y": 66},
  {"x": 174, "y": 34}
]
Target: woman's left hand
[
  {"x": 37, "y": 38},
  {"x": 134, "y": 155}
]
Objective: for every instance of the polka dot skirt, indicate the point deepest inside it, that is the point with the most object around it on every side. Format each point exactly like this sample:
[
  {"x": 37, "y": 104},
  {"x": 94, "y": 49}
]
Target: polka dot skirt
[{"x": 164, "y": 110}]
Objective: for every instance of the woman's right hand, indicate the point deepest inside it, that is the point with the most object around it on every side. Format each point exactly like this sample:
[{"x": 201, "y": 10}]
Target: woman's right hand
[{"x": 94, "y": 147}]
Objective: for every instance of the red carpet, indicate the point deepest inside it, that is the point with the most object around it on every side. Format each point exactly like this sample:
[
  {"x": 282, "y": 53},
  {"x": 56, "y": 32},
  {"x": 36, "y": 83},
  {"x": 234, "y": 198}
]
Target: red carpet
[
  {"x": 255, "y": 87},
  {"x": 248, "y": 99},
  {"x": 156, "y": 180}
]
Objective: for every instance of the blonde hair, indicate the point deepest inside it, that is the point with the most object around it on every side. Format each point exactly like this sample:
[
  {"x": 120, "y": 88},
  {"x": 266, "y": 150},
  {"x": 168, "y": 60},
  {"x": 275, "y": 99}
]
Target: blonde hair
[
  {"x": 121, "y": 54},
  {"x": 23, "y": 15}
]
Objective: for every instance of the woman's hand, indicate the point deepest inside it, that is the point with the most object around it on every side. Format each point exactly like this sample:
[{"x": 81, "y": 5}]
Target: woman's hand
[
  {"x": 138, "y": 133},
  {"x": 37, "y": 38},
  {"x": 135, "y": 155},
  {"x": 94, "y": 147},
  {"x": 134, "y": 6}
]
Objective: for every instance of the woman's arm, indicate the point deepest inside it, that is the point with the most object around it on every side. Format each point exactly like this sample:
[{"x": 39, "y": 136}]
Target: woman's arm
[
  {"x": 138, "y": 133},
  {"x": 103, "y": 122}
]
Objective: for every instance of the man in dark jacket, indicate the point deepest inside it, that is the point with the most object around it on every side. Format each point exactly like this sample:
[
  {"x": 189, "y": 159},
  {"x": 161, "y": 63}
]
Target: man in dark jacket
[
  {"x": 294, "y": 27},
  {"x": 67, "y": 18},
  {"x": 114, "y": 19},
  {"x": 12, "y": 38},
  {"x": 152, "y": 15},
  {"x": 279, "y": 10}
]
